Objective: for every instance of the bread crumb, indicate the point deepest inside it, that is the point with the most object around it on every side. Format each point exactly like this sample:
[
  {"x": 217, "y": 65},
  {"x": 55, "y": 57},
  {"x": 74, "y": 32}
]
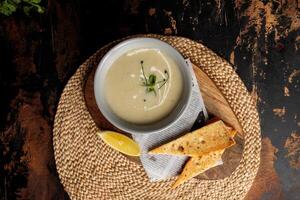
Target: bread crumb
[
  {"x": 286, "y": 91},
  {"x": 279, "y": 112}
]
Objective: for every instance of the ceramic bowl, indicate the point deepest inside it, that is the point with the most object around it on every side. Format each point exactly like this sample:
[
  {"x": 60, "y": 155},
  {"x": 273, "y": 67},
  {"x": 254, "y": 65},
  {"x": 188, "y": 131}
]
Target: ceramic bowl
[{"x": 133, "y": 44}]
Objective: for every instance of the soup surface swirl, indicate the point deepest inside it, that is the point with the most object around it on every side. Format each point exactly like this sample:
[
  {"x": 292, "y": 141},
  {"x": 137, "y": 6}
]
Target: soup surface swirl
[{"x": 143, "y": 86}]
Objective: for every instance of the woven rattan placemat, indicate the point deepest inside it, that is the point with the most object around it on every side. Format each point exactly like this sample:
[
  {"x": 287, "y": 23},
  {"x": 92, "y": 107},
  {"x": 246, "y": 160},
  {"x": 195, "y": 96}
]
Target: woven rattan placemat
[{"x": 89, "y": 169}]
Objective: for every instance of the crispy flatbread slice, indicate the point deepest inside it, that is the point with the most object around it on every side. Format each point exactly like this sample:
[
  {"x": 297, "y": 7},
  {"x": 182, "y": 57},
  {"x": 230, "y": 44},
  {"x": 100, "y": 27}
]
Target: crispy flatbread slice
[
  {"x": 197, "y": 165},
  {"x": 212, "y": 137}
]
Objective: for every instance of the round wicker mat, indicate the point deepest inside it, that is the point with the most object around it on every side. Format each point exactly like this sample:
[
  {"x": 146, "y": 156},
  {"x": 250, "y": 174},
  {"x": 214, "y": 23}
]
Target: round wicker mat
[{"x": 89, "y": 169}]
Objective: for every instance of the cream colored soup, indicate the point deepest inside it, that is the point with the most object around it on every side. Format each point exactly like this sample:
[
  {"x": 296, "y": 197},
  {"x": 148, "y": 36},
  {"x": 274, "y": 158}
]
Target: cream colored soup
[{"x": 143, "y": 86}]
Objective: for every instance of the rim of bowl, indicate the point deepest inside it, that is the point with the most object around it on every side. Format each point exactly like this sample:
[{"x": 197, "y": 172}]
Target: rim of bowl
[{"x": 128, "y": 129}]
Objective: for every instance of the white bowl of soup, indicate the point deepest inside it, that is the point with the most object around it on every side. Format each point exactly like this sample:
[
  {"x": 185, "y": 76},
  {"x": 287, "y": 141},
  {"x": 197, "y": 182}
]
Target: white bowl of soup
[{"x": 142, "y": 85}]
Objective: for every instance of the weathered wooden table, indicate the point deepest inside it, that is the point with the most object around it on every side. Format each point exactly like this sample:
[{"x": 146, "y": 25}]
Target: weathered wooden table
[{"x": 38, "y": 54}]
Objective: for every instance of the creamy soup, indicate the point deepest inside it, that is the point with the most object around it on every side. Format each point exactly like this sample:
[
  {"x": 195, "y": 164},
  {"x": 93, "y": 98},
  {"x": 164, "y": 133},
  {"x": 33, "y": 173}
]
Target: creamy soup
[{"x": 143, "y": 86}]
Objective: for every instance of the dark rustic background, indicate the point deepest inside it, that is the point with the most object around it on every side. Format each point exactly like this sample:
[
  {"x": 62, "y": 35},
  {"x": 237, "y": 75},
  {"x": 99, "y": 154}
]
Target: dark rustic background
[{"x": 38, "y": 54}]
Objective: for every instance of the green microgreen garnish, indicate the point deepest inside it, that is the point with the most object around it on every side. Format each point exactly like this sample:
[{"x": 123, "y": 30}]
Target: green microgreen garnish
[
  {"x": 8, "y": 7},
  {"x": 150, "y": 81}
]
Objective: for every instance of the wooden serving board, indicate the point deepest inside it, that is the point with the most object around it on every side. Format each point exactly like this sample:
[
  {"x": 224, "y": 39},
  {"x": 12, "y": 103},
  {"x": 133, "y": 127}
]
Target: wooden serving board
[{"x": 215, "y": 104}]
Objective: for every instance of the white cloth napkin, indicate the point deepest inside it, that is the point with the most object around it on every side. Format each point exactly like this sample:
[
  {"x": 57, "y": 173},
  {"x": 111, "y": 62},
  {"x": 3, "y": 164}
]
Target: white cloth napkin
[{"x": 160, "y": 167}]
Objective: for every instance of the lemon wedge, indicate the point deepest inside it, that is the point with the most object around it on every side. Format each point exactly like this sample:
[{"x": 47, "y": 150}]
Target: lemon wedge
[{"x": 120, "y": 142}]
